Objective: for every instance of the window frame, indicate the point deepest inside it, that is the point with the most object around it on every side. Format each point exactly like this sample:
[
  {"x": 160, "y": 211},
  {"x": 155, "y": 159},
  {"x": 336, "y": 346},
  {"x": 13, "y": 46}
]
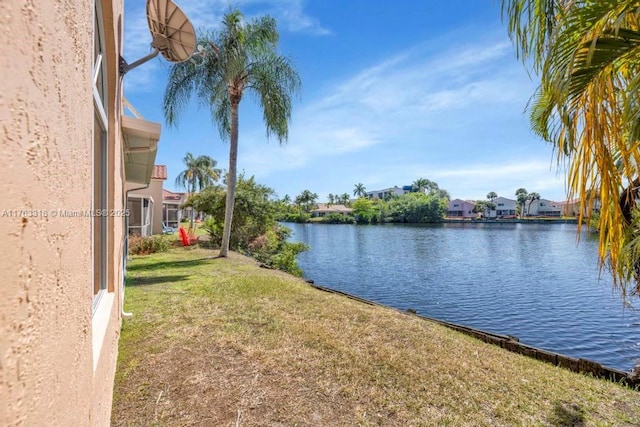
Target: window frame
[{"x": 99, "y": 162}]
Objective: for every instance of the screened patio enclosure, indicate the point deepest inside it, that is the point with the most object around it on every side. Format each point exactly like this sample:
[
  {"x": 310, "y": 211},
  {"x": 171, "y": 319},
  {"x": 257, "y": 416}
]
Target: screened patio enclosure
[{"x": 140, "y": 215}]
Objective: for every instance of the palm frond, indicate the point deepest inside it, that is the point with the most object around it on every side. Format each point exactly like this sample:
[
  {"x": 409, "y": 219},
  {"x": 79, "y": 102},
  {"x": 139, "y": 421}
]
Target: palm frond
[
  {"x": 588, "y": 56},
  {"x": 273, "y": 80}
]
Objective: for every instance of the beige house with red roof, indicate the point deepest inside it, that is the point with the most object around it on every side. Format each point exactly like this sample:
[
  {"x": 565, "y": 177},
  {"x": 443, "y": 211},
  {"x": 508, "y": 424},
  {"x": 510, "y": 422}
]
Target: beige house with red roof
[
  {"x": 70, "y": 156},
  {"x": 172, "y": 214},
  {"x": 145, "y": 205}
]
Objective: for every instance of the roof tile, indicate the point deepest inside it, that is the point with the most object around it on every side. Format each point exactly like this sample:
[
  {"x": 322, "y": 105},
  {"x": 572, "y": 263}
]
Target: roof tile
[{"x": 159, "y": 172}]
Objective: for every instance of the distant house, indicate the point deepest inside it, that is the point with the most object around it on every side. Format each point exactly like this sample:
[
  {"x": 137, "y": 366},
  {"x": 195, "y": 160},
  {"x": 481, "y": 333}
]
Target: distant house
[
  {"x": 544, "y": 207},
  {"x": 504, "y": 207},
  {"x": 325, "y": 209},
  {"x": 387, "y": 192},
  {"x": 145, "y": 205},
  {"x": 172, "y": 214},
  {"x": 459, "y": 208},
  {"x": 572, "y": 208}
]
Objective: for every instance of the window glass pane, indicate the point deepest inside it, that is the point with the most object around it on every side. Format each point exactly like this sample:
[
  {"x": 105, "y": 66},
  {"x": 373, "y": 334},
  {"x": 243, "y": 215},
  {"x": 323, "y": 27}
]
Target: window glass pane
[
  {"x": 100, "y": 205},
  {"x": 99, "y": 60}
]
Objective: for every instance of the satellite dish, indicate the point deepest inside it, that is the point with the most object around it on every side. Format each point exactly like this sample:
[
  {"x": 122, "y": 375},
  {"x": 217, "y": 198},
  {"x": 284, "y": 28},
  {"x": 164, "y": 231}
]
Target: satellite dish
[{"x": 172, "y": 32}]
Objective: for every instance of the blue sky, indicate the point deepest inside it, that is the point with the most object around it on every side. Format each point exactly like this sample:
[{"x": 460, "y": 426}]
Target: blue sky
[{"x": 391, "y": 92}]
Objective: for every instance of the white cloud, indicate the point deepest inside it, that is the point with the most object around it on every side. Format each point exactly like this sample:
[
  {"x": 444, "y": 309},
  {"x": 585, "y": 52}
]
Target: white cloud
[
  {"x": 291, "y": 14},
  {"x": 396, "y": 101}
]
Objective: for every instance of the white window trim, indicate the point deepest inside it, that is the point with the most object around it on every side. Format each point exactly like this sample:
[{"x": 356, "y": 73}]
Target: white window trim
[{"x": 100, "y": 324}]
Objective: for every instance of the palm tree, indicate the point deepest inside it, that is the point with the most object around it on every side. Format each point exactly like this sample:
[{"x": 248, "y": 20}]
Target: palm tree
[
  {"x": 491, "y": 196},
  {"x": 345, "y": 199},
  {"x": 532, "y": 197},
  {"x": 422, "y": 184},
  {"x": 360, "y": 190},
  {"x": 587, "y": 105},
  {"x": 200, "y": 172},
  {"x": 306, "y": 199},
  {"x": 331, "y": 198},
  {"x": 522, "y": 196},
  {"x": 240, "y": 57}
]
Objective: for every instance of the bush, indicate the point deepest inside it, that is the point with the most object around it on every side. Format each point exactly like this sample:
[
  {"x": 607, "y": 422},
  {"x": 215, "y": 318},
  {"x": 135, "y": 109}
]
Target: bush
[
  {"x": 214, "y": 230},
  {"x": 273, "y": 249},
  {"x": 148, "y": 245},
  {"x": 336, "y": 218},
  {"x": 285, "y": 259},
  {"x": 300, "y": 218}
]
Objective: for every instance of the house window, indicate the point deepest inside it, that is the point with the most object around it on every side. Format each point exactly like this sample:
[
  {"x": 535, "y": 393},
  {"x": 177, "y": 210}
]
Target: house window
[
  {"x": 455, "y": 205},
  {"x": 542, "y": 204},
  {"x": 500, "y": 204},
  {"x": 100, "y": 238}
]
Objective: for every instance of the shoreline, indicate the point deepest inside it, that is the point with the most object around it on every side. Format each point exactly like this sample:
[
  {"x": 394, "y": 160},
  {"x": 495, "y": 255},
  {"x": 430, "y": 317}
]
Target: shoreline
[
  {"x": 512, "y": 344},
  {"x": 513, "y": 221}
]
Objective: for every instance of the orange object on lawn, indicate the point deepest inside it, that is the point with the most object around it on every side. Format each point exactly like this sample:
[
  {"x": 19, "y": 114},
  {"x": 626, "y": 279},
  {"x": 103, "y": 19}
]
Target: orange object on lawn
[
  {"x": 187, "y": 238},
  {"x": 183, "y": 236}
]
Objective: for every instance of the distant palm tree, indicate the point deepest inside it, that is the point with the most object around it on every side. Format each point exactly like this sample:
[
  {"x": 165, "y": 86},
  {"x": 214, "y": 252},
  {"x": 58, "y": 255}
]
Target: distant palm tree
[
  {"x": 200, "y": 172},
  {"x": 345, "y": 199},
  {"x": 331, "y": 198},
  {"x": 522, "y": 196},
  {"x": 240, "y": 56},
  {"x": 422, "y": 184},
  {"x": 360, "y": 190},
  {"x": 533, "y": 196},
  {"x": 491, "y": 197},
  {"x": 306, "y": 200}
]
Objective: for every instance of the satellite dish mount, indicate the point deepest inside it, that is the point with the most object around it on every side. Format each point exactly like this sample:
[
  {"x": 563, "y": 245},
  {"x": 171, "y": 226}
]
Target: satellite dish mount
[{"x": 172, "y": 33}]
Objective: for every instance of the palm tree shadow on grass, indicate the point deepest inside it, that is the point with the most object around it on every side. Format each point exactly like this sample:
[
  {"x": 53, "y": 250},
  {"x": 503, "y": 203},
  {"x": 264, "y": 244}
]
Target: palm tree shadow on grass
[
  {"x": 169, "y": 264},
  {"x": 156, "y": 280},
  {"x": 567, "y": 414}
]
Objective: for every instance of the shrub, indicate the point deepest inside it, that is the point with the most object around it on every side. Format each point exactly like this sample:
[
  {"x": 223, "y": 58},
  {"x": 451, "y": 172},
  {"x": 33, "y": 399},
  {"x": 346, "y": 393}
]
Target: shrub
[
  {"x": 336, "y": 218},
  {"x": 148, "y": 244},
  {"x": 299, "y": 218},
  {"x": 273, "y": 249},
  {"x": 214, "y": 230}
]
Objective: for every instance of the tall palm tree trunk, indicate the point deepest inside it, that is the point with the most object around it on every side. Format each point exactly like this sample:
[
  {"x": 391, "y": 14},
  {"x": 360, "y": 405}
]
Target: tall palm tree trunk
[{"x": 231, "y": 180}]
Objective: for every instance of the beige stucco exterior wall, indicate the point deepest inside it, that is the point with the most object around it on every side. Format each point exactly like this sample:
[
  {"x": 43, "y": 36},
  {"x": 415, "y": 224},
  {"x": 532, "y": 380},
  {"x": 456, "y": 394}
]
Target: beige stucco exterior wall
[
  {"x": 155, "y": 191},
  {"x": 47, "y": 329}
]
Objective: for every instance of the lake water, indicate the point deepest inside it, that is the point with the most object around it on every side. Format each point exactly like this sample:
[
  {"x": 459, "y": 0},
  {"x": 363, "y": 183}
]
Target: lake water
[{"x": 533, "y": 281}]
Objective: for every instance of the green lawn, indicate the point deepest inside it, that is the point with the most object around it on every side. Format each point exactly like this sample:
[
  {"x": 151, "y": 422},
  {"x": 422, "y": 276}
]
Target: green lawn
[{"x": 223, "y": 342}]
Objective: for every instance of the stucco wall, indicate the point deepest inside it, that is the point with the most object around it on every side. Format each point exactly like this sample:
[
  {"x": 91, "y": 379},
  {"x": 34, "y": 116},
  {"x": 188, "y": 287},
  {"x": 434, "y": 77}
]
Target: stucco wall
[{"x": 46, "y": 122}]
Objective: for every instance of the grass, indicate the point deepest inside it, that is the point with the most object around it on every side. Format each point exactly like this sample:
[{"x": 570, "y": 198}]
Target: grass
[{"x": 223, "y": 342}]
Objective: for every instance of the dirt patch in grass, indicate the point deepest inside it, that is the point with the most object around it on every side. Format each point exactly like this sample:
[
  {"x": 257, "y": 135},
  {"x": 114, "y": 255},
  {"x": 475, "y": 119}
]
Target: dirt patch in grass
[{"x": 227, "y": 343}]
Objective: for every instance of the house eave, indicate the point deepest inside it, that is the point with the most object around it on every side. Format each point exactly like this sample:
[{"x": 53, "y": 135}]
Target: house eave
[{"x": 140, "y": 148}]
